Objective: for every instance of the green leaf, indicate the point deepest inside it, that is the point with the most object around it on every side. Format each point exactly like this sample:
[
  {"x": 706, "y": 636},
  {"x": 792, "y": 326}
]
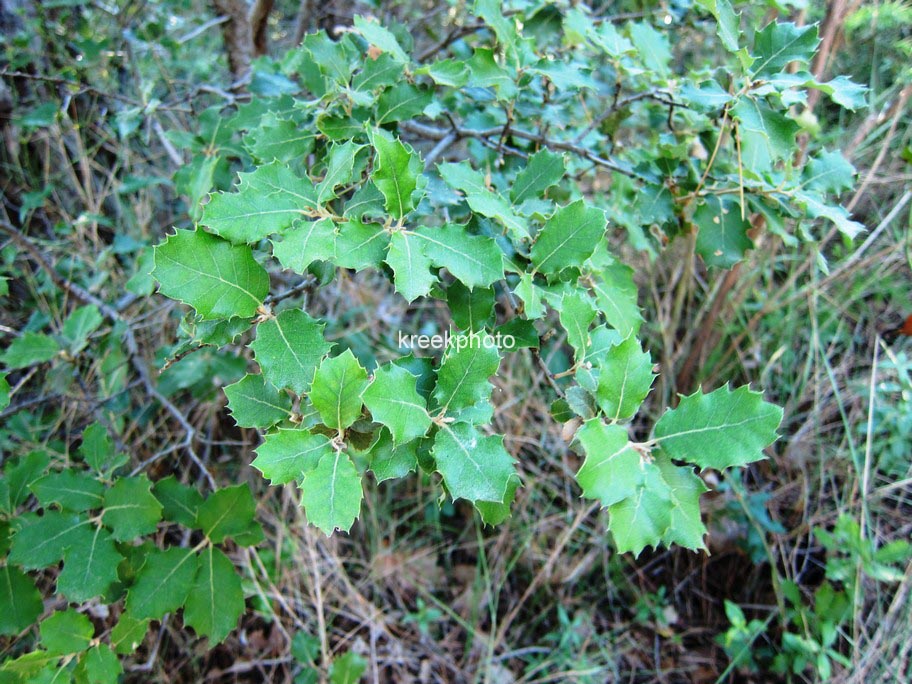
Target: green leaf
[
  {"x": 766, "y": 135},
  {"x": 180, "y": 503},
  {"x": 42, "y": 541},
  {"x": 339, "y": 170},
  {"x": 728, "y": 28},
  {"x": 471, "y": 310},
  {"x": 411, "y": 266},
  {"x": 376, "y": 35},
  {"x": 777, "y": 45},
  {"x": 393, "y": 400},
  {"x": 473, "y": 467},
  {"x": 544, "y": 169},
  {"x": 255, "y": 403},
  {"x": 492, "y": 513},
  {"x": 816, "y": 207},
  {"x": 718, "y": 430},
  {"x": 81, "y": 323},
  {"x": 337, "y": 388},
  {"x": 99, "y": 665},
  {"x": 642, "y": 519},
  {"x": 89, "y": 565},
  {"x": 449, "y": 72},
  {"x": 28, "y": 349},
  {"x": 216, "y": 599},
  {"x": 613, "y": 469},
  {"x": 130, "y": 510},
  {"x": 4, "y": 392},
  {"x": 218, "y": 279},
  {"x": 72, "y": 490},
  {"x": 722, "y": 238},
  {"x": 481, "y": 198},
  {"x": 401, "y": 102},
  {"x": 227, "y": 512},
  {"x": 331, "y": 493},
  {"x": 289, "y": 348},
  {"x": 828, "y": 172},
  {"x": 531, "y": 296},
  {"x": 347, "y": 669},
  {"x": 98, "y": 450},
  {"x": 472, "y": 259},
  {"x": 306, "y": 242},
  {"x": 267, "y": 200},
  {"x": 20, "y": 601},
  {"x": 277, "y": 139},
  {"x": 65, "y": 632},
  {"x": 162, "y": 584},
  {"x": 286, "y": 455},
  {"x": 128, "y": 633},
  {"x": 397, "y": 172},
  {"x": 462, "y": 380},
  {"x": 568, "y": 238},
  {"x": 652, "y": 46},
  {"x": 378, "y": 73},
  {"x": 625, "y": 378},
  {"x": 576, "y": 315},
  {"x": 686, "y": 527},
  {"x": 390, "y": 461},
  {"x": 616, "y": 297}
]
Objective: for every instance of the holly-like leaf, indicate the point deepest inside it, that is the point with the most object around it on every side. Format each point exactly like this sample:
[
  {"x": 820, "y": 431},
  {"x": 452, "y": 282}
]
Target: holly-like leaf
[
  {"x": 267, "y": 200},
  {"x": 462, "y": 380},
  {"x": 255, "y": 403},
  {"x": 180, "y": 503},
  {"x": 20, "y": 601},
  {"x": 42, "y": 541},
  {"x": 72, "y": 490},
  {"x": 162, "y": 583},
  {"x": 473, "y": 259},
  {"x": 218, "y": 279},
  {"x": 474, "y": 467},
  {"x": 482, "y": 199},
  {"x": 411, "y": 266},
  {"x": 686, "y": 527},
  {"x": 568, "y": 238},
  {"x": 728, "y": 22},
  {"x": 66, "y": 631},
  {"x": 766, "y": 135},
  {"x": 397, "y": 173},
  {"x": 718, "y": 430},
  {"x": 89, "y": 565},
  {"x": 544, "y": 169},
  {"x": 289, "y": 348},
  {"x": 339, "y": 170},
  {"x": 401, "y": 102},
  {"x": 28, "y": 349},
  {"x": 828, "y": 172},
  {"x": 306, "y": 242},
  {"x": 616, "y": 297},
  {"x": 816, "y": 207},
  {"x": 98, "y": 450},
  {"x": 380, "y": 37},
  {"x": 98, "y": 665},
  {"x": 286, "y": 455},
  {"x": 390, "y": 461},
  {"x": 130, "y": 510},
  {"x": 471, "y": 310},
  {"x": 642, "y": 519},
  {"x": 393, "y": 400},
  {"x": 613, "y": 469},
  {"x": 722, "y": 238},
  {"x": 228, "y": 512},
  {"x": 216, "y": 599},
  {"x": 128, "y": 633},
  {"x": 331, "y": 493},
  {"x": 337, "y": 388},
  {"x": 776, "y": 45},
  {"x": 81, "y": 323},
  {"x": 576, "y": 315},
  {"x": 625, "y": 378}
]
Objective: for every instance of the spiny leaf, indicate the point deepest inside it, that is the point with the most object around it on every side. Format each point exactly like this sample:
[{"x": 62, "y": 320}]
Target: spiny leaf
[
  {"x": 255, "y": 403},
  {"x": 130, "y": 510},
  {"x": 42, "y": 541},
  {"x": 66, "y": 631},
  {"x": 20, "y": 601},
  {"x": 286, "y": 455},
  {"x": 576, "y": 315},
  {"x": 180, "y": 503},
  {"x": 625, "y": 377},
  {"x": 339, "y": 170},
  {"x": 397, "y": 173},
  {"x": 722, "y": 238},
  {"x": 686, "y": 527},
  {"x": 568, "y": 238},
  {"x": 473, "y": 467},
  {"x": 304, "y": 243},
  {"x": 228, "y": 512},
  {"x": 216, "y": 599},
  {"x": 544, "y": 169},
  {"x": 331, "y": 493},
  {"x": 393, "y": 400},
  {"x": 375, "y": 34},
  {"x": 481, "y": 198},
  {"x": 72, "y": 490},
  {"x": 267, "y": 200},
  {"x": 718, "y": 430},
  {"x": 473, "y": 259},
  {"x": 89, "y": 565},
  {"x": 462, "y": 381},
  {"x": 288, "y": 348},
  {"x": 411, "y": 266},
  {"x": 218, "y": 279},
  {"x": 337, "y": 388},
  {"x": 162, "y": 583},
  {"x": 28, "y": 349},
  {"x": 613, "y": 469},
  {"x": 776, "y": 45},
  {"x": 388, "y": 460}
]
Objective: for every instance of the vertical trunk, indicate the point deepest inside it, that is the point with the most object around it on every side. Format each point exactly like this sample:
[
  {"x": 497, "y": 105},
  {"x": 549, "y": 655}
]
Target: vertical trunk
[{"x": 238, "y": 37}]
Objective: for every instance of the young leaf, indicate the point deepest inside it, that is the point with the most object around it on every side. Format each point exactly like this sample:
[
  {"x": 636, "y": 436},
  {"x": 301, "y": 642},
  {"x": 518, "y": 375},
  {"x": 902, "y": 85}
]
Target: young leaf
[
  {"x": 568, "y": 238},
  {"x": 289, "y": 348},
  {"x": 473, "y": 467},
  {"x": 396, "y": 173},
  {"x": 473, "y": 259},
  {"x": 331, "y": 493},
  {"x": 411, "y": 266},
  {"x": 218, "y": 279},
  {"x": 89, "y": 565},
  {"x": 130, "y": 510},
  {"x": 162, "y": 583},
  {"x": 625, "y": 377},
  {"x": 216, "y": 599},
  {"x": 20, "y": 601},
  {"x": 642, "y": 519},
  {"x": 267, "y": 200},
  {"x": 718, "y": 430},
  {"x": 66, "y": 631},
  {"x": 255, "y": 403},
  {"x": 382, "y": 38},
  {"x": 393, "y": 400},
  {"x": 544, "y": 169},
  {"x": 286, "y": 455},
  {"x": 227, "y": 512},
  {"x": 613, "y": 469},
  {"x": 337, "y": 388}
]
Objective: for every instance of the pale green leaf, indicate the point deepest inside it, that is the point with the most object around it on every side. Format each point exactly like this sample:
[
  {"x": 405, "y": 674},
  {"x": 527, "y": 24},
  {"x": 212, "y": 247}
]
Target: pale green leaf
[
  {"x": 390, "y": 461},
  {"x": 130, "y": 510},
  {"x": 397, "y": 172},
  {"x": 255, "y": 403},
  {"x": 411, "y": 266},
  {"x": 686, "y": 527},
  {"x": 28, "y": 349},
  {"x": 337, "y": 388},
  {"x": 625, "y": 378},
  {"x": 81, "y": 323},
  {"x": 304, "y": 243},
  {"x": 462, "y": 380},
  {"x": 568, "y": 238},
  {"x": 42, "y": 541},
  {"x": 473, "y": 467},
  {"x": 98, "y": 665},
  {"x": 393, "y": 400},
  {"x": 779, "y": 44},
  {"x": 286, "y": 455},
  {"x": 402, "y": 101},
  {"x": 576, "y": 315},
  {"x": 473, "y": 259},
  {"x": 613, "y": 469},
  {"x": 289, "y": 348},
  {"x": 642, "y": 519},
  {"x": 331, "y": 493},
  {"x": 339, "y": 170},
  {"x": 380, "y": 37},
  {"x": 544, "y": 169},
  {"x": 180, "y": 503},
  {"x": 481, "y": 198}
]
